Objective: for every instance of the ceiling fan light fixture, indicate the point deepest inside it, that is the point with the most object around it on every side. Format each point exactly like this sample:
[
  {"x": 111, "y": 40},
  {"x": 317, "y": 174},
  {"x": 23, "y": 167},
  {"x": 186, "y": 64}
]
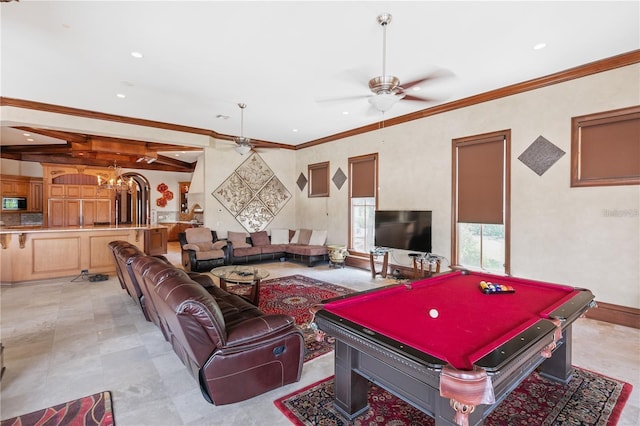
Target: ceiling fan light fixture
[
  {"x": 384, "y": 101},
  {"x": 242, "y": 149}
]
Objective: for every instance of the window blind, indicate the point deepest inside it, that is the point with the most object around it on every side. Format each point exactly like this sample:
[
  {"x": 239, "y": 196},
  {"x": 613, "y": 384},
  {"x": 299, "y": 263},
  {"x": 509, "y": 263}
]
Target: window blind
[
  {"x": 480, "y": 180},
  {"x": 363, "y": 177}
]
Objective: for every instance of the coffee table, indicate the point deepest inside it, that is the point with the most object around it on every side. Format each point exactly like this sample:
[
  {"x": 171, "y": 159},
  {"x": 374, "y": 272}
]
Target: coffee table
[{"x": 247, "y": 275}]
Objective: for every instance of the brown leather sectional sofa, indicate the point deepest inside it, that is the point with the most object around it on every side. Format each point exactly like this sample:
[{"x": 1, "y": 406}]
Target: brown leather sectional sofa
[{"x": 231, "y": 348}]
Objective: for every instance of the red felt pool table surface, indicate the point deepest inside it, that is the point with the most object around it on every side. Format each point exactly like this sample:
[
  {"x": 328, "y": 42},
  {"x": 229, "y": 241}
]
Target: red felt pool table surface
[{"x": 469, "y": 323}]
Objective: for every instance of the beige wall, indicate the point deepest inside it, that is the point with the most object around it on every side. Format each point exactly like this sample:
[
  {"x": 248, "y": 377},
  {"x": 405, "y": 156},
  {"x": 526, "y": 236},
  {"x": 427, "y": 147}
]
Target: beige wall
[
  {"x": 20, "y": 168},
  {"x": 560, "y": 234},
  {"x": 220, "y": 160},
  {"x": 587, "y": 237}
]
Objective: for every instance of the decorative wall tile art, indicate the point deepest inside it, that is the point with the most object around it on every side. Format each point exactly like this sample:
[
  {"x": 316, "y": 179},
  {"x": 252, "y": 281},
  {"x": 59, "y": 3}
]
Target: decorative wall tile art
[
  {"x": 339, "y": 178},
  {"x": 253, "y": 194},
  {"x": 541, "y": 155},
  {"x": 301, "y": 182}
]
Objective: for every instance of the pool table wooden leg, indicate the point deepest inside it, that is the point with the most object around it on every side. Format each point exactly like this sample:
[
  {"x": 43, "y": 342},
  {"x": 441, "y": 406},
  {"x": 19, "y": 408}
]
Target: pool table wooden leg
[
  {"x": 558, "y": 368},
  {"x": 350, "y": 388}
]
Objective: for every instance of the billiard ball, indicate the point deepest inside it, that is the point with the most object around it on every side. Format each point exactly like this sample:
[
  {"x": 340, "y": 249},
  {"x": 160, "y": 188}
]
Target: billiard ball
[{"x": 433, "y": 313}]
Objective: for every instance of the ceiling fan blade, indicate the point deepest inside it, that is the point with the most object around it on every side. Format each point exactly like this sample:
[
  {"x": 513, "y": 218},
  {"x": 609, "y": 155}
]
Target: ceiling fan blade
[
  {"x": 440, "y": 73},
  {"x": 420, "y": 98}
]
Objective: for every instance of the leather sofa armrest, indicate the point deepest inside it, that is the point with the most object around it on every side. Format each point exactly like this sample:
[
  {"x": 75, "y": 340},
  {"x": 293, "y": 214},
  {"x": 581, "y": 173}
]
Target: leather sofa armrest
[
  {"x": 258, "y": 328},
  {"x": 204, "y": 280}
]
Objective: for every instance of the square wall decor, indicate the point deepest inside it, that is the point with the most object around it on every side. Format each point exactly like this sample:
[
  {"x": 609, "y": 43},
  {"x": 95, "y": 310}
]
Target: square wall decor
[
  {"x": 541, "y": 155},
  {"x": 253, "y": 194}
]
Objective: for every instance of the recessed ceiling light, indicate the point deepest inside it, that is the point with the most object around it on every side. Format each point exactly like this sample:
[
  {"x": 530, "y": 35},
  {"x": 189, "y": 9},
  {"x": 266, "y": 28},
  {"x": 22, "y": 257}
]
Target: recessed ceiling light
[
  {"x": 295, "y": 130},
  {"x": 177, "y": 155},
  {"x": 121, "y": 95},
  {"x": 26, "y": 134},
  {"x": 30, "y": 140},
  {"x": 136, "y": 54},
  {"x": 539, "y": 46},
  {"x": 345, "y": 112}
]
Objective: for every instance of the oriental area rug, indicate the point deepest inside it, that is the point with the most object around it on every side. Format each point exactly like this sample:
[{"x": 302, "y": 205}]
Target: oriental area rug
[
  {"x": 589, "y": 399},
  {"x": 294, "y": 295},
  {"x": 93, "y": 410}
]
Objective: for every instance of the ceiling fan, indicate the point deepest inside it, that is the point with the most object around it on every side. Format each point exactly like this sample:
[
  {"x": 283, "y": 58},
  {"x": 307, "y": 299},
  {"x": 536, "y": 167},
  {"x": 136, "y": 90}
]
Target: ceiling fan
[
  {"x": 243, "y": 145},
  {"x": 386, "y": 88}
]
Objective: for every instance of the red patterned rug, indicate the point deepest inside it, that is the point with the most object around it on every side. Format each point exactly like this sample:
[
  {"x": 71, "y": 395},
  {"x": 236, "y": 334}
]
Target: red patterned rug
[
  {"x": 294, "y": 295},
  {"x": 588, "y": 399},
  {"x": 93, "y": 410}
]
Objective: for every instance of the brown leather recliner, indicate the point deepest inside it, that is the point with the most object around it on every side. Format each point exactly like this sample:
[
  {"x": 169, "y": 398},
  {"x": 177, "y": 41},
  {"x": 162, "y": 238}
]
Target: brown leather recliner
[
  {"x": 124, "y": 253},
  {"x": 230, "y": 347}
]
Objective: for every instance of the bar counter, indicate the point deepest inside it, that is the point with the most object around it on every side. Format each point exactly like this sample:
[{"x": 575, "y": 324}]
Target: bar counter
[{"x": 31, "y": 253}]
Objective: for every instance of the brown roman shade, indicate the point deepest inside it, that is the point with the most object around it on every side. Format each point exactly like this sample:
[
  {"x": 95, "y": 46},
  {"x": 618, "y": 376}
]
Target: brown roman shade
[
  {"x": 480, "y": 180},
  {"x": 363, "y": 177},
  {"x": 606, "y": 148},
  {"x": 319, "y": 179}
]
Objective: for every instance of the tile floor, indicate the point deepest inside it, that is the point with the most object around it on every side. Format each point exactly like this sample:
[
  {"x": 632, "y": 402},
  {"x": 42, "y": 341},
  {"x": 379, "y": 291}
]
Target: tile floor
[{"x": 64, "y": 340}]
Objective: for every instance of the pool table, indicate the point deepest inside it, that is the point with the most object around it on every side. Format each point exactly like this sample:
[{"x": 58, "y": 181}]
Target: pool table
[{"x": 447, "y": 347}]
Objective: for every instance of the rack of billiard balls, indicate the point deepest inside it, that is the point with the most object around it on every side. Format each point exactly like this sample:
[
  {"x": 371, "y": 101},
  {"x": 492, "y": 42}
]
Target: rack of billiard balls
[{"x": 488, "y": 287}]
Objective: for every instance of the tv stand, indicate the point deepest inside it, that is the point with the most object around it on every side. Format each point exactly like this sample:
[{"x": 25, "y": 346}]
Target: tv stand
[{"x": 385, "y": 262}]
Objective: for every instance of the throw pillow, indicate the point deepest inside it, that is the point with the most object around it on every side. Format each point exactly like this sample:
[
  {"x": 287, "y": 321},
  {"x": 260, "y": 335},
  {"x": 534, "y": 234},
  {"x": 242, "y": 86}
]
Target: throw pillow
[
  {"x": 305, "y": 236},
  {"x": 279, "y": 236},
  {"x": 318, "y": 238},
  {"x": 198, "y": 235},
  {"x": 295, "y": 237},
  {"x": 260, "y": 238},
  {"x": 238, "y": 239}
]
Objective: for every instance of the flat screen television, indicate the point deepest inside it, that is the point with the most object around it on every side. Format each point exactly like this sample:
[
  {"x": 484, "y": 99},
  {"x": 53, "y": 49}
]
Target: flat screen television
[{"x": 403, "y": 229}]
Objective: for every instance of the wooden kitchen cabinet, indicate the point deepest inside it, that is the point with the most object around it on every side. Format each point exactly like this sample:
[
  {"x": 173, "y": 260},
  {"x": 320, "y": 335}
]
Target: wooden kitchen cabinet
[
  {"x": 174, "y": 229},
  {"x": 64, "y": 212},
  {"x": 34, "y": 203},
  {"x": 56, "y": 191},
  {"x": 155, "y": 241},
  {"x": 11, "y": 187},
  {"x": 103, "y": 211},
  {"x": 57, "y": 213}
]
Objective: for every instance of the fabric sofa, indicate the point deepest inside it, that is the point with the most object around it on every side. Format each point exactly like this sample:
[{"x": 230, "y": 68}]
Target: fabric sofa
[
  {"x": 232, "y": 349},
  {"x": 304, "y": 245}
]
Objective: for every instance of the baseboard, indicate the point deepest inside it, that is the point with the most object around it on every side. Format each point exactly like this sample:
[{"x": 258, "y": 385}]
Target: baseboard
[
  {"x": 607, "y": 312},
  {"x": 615, "y": 314}
]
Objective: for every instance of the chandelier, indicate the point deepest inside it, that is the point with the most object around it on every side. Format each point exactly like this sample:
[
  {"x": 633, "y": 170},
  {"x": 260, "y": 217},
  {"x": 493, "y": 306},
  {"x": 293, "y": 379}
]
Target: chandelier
[{"x": 114, "y": 181}]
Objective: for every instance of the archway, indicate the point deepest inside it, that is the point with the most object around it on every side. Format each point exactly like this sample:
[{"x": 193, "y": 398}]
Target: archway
[{"x": 134, "y": 207}]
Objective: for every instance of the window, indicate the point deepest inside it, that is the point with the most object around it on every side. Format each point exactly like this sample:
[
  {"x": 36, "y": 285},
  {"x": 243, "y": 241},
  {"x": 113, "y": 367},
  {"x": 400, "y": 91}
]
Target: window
[
  {"x": 363, "y": 200},
  {"x": 481, "y": 186},
  {"x": 605, "y": 148},
  {"x": 318, "y": 179}
]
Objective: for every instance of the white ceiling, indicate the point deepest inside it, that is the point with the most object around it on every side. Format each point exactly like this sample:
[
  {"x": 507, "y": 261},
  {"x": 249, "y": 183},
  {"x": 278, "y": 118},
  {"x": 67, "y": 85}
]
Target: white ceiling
[{"x": 280, "y": 58}]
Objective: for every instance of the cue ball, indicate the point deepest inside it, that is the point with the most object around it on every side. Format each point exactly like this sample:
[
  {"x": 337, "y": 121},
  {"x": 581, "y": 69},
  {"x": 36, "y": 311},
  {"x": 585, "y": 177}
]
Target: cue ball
[{"x": 433, "y": 313}]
